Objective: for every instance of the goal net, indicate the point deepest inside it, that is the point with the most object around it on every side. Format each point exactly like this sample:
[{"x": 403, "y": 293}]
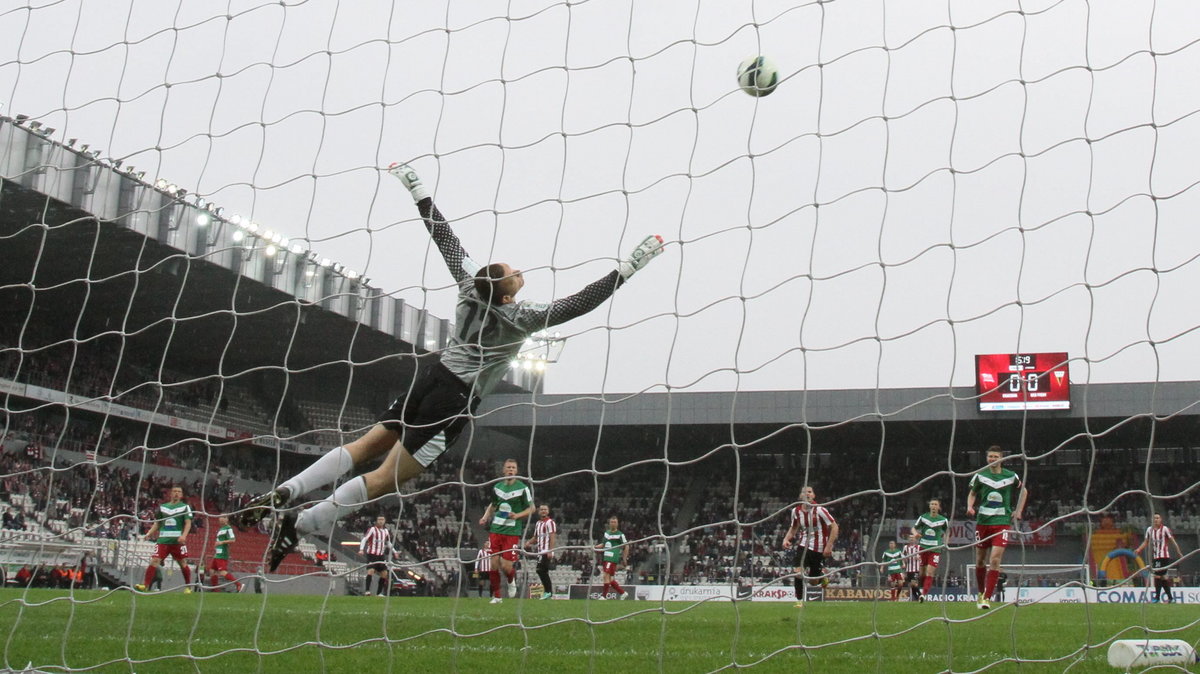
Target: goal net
[{"x": 950, "y": 226}]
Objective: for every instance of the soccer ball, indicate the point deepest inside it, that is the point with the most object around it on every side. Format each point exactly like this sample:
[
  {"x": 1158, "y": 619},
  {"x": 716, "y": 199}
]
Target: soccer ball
[{"x": 758, "y": 76}]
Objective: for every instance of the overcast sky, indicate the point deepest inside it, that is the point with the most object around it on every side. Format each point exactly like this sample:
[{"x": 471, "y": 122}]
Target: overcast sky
[{"x": 910, "y": 196}]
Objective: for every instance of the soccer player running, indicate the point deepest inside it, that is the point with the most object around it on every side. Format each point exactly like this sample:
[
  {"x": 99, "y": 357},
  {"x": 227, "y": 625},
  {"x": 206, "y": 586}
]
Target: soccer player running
[
  {"x": 995, "y": 489},
  {"x": 545, "y": 540},
  {"x": 218, "y": 567},
  {"x": 172, "y": 524},
  {"x": 512, "y": 504},
  {"x": 817, "y": 530},
  {"x": 912, "y": 570},
  {"x": 376, "y": 545},
  {"x": 929, "y": 533},
  {"x": 1157, "y": 536},
  {"x": 614, "y": 551},
  {"x": 490, "y": 328},
  {"x": 891, "y": 566}
]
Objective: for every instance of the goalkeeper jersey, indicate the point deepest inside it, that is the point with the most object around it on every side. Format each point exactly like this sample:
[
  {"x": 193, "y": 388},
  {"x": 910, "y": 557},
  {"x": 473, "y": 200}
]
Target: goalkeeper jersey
[
  {"x": 996, "y": 494},
  {"x": 171, "y": 517},
  {"x": 486, "y": 336},
  {"x": 506, "y": 500},
  {"x": 614, "y": 546},
  {"x": 225, "y": 536},
  {"x": 932, "y": 530},
  {"x": 891, "y": 560}
]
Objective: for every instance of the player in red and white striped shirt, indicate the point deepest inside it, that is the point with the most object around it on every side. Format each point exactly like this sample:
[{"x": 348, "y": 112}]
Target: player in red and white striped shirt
[
  {"x": 483, "y": 567},
  {"x": 544, "y": 541},
  {"x": 376, "y": 545},
  {"x": 817, "y": 531},
  {"x": 1157, "y": 536},
  {"x": 912, "y": 569}
]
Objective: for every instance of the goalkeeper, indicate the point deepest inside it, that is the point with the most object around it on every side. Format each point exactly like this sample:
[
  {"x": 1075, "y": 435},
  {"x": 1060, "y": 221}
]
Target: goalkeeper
[{"x": 490, "y": 328}]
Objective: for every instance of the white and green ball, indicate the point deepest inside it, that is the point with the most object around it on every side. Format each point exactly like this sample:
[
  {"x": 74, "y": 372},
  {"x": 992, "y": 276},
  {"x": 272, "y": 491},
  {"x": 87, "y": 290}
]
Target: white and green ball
[{"x": 758, "y": 76}]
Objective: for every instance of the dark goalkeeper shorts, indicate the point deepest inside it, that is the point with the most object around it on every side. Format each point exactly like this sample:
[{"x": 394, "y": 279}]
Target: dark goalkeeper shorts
[
  {"x": 809, "y": 560},
  {"x": 432, "y": 413}
]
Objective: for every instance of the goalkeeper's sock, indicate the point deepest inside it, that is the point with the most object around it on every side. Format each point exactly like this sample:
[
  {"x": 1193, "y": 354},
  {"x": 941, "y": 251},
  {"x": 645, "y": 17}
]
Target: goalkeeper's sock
[
  {"x": 799, "y": 583},
  {"x": 617, "y": 587},
  {"x": 187, "y": 574},
  {"x": 510, "y": 575},
  {"x": 213, "y": 580},
  {"x": 334, "y": 464},
  {"x": 346, "y": 499},
  {"x": 993, "y": 576},
  {"x": 926, "y": 584},
  {"x": 980, "y": 578},
  {"x": 494, "y": 575},
  {"x": 149, "y": 576}
]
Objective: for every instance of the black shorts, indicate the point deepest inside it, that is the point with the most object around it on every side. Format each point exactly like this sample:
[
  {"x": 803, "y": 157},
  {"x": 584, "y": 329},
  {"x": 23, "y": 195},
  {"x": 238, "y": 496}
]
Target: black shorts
[
  {"x": 912, "y": 576},
  {"x": 1160, "y": 565},
  {"x": 809, "y": 560},
  {"x": 436, "y": 403},
  {"x": 377, "y": 562}
]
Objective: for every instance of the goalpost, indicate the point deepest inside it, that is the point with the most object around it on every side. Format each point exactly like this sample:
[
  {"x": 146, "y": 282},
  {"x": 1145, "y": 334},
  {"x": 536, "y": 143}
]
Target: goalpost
[
  {"x": 1018, "y": 576},
  {"x": 207, "y": 277}
]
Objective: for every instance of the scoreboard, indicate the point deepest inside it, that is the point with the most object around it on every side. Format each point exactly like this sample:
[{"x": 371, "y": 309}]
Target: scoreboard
[{"x": 1022, "y": 381}]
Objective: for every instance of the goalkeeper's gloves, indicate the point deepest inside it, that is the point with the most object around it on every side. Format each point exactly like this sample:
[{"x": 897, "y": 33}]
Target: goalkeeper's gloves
[
  {"x": 647, "y": 250},
  {"x": 410, "y": 179}
]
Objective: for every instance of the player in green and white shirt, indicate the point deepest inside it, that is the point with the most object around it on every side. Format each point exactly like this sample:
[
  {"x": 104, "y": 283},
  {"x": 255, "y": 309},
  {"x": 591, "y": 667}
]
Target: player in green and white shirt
[
  {"x": 1001, "y": 497},
  {"x": 614, "y": 550},
  {"x": 219, "y": 566},
  {"x": 505, "y": 517},
  {"x": 929, "y": 532},
  {"x": 892, "y": 567},
  {"x": 172, "y": 524}
]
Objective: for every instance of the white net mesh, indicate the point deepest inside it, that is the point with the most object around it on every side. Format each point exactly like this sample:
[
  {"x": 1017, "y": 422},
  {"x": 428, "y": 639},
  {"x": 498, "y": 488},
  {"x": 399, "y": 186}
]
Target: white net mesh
[{"x": 205, "y": 278}]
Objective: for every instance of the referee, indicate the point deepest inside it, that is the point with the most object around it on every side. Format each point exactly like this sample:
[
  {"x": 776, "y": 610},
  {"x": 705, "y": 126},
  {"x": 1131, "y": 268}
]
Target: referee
[{"x": 376, "y": 544}]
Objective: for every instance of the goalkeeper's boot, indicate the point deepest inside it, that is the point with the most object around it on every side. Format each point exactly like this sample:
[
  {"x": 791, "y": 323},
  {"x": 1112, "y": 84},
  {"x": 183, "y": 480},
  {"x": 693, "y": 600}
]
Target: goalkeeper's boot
[
  {"x": 283, "y": 540},
  {"x": 139, "y": 587},
  {"x": 983, "y": 604},
  {"x": 260, "y": 507}
]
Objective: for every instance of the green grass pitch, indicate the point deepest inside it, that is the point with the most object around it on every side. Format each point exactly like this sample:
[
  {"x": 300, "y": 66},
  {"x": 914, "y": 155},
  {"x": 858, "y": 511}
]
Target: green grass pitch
[{"x": 120, "y": 632}]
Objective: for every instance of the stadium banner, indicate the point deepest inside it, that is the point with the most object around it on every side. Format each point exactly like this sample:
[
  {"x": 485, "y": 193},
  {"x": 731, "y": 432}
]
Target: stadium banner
[
  {"x": 1033, "y": 532},
  {"x": 1091, "y": 595},
  {"x": 113, "y": 409}
]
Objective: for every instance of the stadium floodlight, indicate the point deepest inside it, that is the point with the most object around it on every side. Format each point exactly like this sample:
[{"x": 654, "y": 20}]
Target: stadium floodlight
[
  {"x": 200, "y": 202},
  {"x": 35, "y": 125},
  {"x": 71, "y": 142},
  {"x": 297, "y": 249},
  {"x": 159, "y": 184},
  {"x": 269, "y": 251},
  {"x": 252, "y": 227},
  {"x": 366, "y": 280},
  {"x": 84, "y": 148},
  {"x": 140, "y": 174},
  {"x": 237, "y": 220},
  {"x": 47, "y": 131},
  {"x": 21, "y": 119},
  {"x": 237, "y": 236},
  {"x": 117, "y": 164},
  {"x": 351, "y": 274},
  {"x": 276, "y": 238},
  {"x": 95, "y": 154},
  {"x": 202, "y": 220}
]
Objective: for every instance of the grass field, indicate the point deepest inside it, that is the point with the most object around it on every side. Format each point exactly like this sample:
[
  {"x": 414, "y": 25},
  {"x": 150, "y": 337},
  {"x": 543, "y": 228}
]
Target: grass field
[{"x": 297, "y": 634}]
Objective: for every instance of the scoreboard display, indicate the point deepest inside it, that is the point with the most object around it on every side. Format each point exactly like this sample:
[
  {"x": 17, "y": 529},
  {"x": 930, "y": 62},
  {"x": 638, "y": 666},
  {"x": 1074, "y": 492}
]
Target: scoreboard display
[{"x": 1022, "y": 381}]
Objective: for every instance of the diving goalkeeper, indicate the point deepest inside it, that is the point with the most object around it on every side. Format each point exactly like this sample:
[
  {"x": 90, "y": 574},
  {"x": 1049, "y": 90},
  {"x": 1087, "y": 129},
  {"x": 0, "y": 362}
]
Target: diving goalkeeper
[{"x": 490, "y": 328}]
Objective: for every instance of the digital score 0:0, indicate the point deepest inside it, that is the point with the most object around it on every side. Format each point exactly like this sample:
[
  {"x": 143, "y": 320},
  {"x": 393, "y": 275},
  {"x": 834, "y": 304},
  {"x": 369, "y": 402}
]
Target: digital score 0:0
[{"x": 1022, "y": 381}]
